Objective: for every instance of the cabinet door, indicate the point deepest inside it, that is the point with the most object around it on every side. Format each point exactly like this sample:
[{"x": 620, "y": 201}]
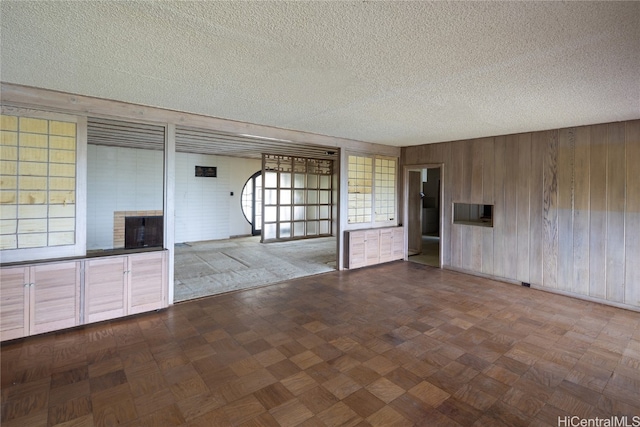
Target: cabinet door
[
  {"x": 105, "y": 288},
  {"x": 372, "y": 247},
  {"x": 386, "y": 245},
  {"x": 14, "y": 302},
  {"x": 147, "y": 282},
  {"x": 397, "y": 247},
  {"x": 356, "y": 249},
  {"x": 54, "y": 297}
]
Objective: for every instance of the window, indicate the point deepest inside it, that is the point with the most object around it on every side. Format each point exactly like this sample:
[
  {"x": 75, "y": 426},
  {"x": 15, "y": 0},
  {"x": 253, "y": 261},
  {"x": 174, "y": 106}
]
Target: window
[
  {"x": 297, "y": 197},
  {"x": 38, "y": 183},
  {"x": 372, "y": 189}
]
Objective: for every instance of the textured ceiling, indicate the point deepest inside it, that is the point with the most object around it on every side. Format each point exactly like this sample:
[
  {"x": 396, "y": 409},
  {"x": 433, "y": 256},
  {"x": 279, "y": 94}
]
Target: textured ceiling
[{"x": 396, "y": 73}]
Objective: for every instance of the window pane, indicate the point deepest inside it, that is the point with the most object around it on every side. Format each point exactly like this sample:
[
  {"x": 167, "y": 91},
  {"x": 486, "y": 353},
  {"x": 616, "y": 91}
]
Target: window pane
[
  {"x": 285, "y": 213},
  {"x": 285, "y": 229},
  {"x": 299, "y": 180},
  {"x": 285, "y": 197},
  {"x": 269, "y": 231},
  {"x": 298, "y": 213},
  {"x": 285, "y": 180},
  {"x": 270, "y": 213},
  {"x": 271, "y": 180},
  {"x": 298, "y": 229},
  {"x": 271, "y": 197},
  {"x": 298, "y": 197}
]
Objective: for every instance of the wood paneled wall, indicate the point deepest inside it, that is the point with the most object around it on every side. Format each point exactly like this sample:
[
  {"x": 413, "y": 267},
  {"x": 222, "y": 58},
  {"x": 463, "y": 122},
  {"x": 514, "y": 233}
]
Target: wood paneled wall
[{"x": 567, "y": 208}]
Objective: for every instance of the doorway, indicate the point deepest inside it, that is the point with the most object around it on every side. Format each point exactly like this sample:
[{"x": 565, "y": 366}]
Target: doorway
[
  {"x": 423, "y": 213},
  {"x": 252, "y": 202}
]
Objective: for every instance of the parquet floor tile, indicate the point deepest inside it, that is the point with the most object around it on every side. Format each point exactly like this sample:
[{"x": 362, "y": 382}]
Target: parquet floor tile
[{"x": 399, "y": 344}]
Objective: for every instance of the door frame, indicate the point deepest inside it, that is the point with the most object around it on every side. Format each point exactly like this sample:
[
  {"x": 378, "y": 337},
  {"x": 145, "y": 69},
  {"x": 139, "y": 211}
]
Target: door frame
[{"x": 405, "y": 205}]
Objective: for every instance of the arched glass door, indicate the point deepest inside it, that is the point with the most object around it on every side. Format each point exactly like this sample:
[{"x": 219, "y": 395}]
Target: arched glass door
[{"x": 252, "y": 202}]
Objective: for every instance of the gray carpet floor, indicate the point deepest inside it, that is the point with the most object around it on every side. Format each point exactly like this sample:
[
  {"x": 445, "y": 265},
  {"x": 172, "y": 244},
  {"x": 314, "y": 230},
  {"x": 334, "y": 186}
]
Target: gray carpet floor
[{"x": 214, "y": 267}]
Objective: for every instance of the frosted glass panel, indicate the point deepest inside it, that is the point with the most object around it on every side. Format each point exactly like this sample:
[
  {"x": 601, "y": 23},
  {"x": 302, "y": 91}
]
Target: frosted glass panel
[
  {"x": 298, "y": 229},
  {"x": 285, "y": 197},
  {"x": 299, "y": 180},
  {"x": 270, "y": 213},
  {"x": 270, "y": 179},
  {"x": 312, "y": 212},
  {"x": 325, "y": 182},
  {"x": 298, "y": 197},
  {"x": 324, "y": 197},
  {"x": 324, "y": 212},
  {"x": 312, "y": 228},
  {"x": 285, "y": 213},
  {"x": 298, "y": 213},
  {"x": 271, "y": 197},
  {"x": 269, "y": 231},
  {"x": 324, "y": 227},
  {"x": 285, "y": 229},
  {"x": 312, "y": 181},
  {"x": 285, "y": 180},
  {"x": 312, "y": 197}
]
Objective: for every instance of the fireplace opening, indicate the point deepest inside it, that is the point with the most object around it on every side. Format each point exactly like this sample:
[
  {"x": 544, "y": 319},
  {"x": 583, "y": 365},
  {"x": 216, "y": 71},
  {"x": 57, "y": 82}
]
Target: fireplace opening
[{"x": 143, "y": 232}]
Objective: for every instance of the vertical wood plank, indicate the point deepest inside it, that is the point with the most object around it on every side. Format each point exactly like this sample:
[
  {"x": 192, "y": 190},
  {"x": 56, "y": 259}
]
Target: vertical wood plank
[
  {"x": 499, "y": 206},
  {"x": 598, "y": 208},
  {"x": 581, "y": 211},
  {"x": 488, "y": 170},
  {"x": 456, "y": 246},
  {"x": 467, "y": 246},
  {"x": 456, "y": 182},
  {"x": 511, "y": 207},
  {"x": 615, "y": 212},
  {"x": 536, "y": 238},
  {"x": 566, "y": 144},
  {"x": 488, "y": 189},
  {"x": 446, "y": 176},
  {"x": 523, "y": 219},
  {"x": 476, "y": 171},
  {"x": 476, "y": 248},
  {"x": 550, "y": 211},
  {"x": 632, "y": 219}
]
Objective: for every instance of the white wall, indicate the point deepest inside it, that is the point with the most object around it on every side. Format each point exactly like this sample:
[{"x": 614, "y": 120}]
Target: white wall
[
  {"x": 119, "y": 179},
  {"x": 205, "y": 209}
]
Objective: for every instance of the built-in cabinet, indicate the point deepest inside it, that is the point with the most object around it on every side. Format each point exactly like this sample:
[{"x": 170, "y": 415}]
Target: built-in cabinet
[
  {"x": 46, "y": 297},
  {"x": 374, "y": 246},
  {"x": 39, "y": 298}
]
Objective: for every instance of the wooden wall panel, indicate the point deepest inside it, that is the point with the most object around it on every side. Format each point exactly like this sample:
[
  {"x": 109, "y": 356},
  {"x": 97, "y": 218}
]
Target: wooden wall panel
[
  {"x": 566, "y": 208},
  {"x": 550, "y": 212},
  {"x": 488, "y": 190},
  {"x": 477, "y": 156},
  {"x": 632, "y": 214},
  {"x": 447, "y": 176},
  {"x": 499, "y": 213},
  {"x": 488, "y": 170},
  {"x": 566, "y": 145},
  {"x": 523, "y": 209},
  {"x": 536, "y": 241},
  {"x": 598, "y": 211},
  {"x": 510, "y": 253},
  {"x": 581, "y": 213},
  {"x": 615, "y": 212},
  {"x": 456, "y": 186}
]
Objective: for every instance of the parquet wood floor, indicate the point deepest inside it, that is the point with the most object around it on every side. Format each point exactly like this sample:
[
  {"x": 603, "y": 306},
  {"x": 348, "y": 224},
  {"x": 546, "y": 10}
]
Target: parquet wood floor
[{"x": 394, "y": 345}]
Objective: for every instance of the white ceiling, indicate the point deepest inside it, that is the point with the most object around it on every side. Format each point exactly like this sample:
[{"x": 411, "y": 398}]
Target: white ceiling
[{"x": 396, "y": 73}]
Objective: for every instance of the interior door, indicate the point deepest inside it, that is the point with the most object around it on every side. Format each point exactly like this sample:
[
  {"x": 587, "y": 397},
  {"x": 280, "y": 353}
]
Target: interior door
[{"x": 414, "y": 204}]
